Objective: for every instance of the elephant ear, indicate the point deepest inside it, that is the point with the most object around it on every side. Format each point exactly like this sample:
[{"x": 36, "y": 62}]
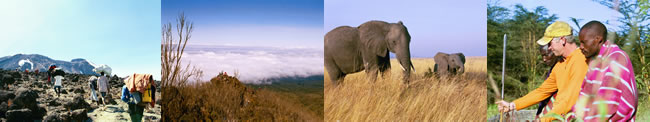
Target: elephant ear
[
  {"x": 462, "y": 57},
  {"x": 441, "y": 56},
  {"x": 441, "y": 60},
  {"x": 373, "y": 37}
]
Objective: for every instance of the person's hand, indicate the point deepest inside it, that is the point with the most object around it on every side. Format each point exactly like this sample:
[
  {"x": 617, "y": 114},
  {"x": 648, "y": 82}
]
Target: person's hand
[{"x": 505, "y": 106}]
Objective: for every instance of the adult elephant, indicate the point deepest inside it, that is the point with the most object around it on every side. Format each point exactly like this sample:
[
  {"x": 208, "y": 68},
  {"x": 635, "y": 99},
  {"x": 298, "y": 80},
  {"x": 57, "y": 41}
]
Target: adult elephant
[
  {"x": 349, "y": 50},
  {"x": 449, "y": 63}
]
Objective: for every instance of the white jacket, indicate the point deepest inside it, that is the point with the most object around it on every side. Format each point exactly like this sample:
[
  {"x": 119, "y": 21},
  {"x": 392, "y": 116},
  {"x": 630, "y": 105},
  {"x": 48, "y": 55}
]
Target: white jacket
[
  {"x": 57, "y": 80},
  {"x": 102, "y": 83}
]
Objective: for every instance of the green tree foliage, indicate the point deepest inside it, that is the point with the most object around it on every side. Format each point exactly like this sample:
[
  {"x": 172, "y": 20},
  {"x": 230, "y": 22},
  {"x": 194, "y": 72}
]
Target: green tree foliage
[
  {"x": 634, "y": 36},
  {"x": 523, "y": 61}
]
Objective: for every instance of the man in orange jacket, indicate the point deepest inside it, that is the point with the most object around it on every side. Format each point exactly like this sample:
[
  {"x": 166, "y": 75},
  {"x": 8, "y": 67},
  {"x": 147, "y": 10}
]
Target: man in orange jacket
[{"x": 565, "y": 78}]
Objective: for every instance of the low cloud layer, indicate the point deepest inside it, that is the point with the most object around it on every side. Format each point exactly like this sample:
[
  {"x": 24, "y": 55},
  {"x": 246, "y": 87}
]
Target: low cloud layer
[{"x": 255, "y": 64}]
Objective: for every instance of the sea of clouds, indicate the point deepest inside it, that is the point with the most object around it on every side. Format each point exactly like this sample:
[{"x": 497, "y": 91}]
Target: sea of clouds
[{"x": 255, "y": 64}]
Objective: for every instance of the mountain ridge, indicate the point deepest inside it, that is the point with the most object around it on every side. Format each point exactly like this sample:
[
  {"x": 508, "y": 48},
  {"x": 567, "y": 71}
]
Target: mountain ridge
[{"x": 42, "y": 62}]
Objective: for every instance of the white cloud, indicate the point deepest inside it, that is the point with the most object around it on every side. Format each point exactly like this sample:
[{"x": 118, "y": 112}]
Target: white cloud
[
  {"x": 255, "y": 64},
  {"x": 22, "y": 62}
]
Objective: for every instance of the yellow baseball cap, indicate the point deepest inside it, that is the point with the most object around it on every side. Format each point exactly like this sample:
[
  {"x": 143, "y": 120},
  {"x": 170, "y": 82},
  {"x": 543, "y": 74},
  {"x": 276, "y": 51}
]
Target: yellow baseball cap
[{"x": 557, "y": 29}]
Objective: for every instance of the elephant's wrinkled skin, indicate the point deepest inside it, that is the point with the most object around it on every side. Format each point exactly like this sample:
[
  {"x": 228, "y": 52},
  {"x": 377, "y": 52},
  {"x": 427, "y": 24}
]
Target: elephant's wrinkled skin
[
  {"x": 447, "y": 64},
  {"x": 349, "y": 50}
]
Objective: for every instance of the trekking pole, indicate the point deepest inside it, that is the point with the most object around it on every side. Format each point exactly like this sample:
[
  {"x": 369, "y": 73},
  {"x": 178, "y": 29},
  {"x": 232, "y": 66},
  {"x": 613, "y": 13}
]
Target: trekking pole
[{"x": 503, "y": 72}]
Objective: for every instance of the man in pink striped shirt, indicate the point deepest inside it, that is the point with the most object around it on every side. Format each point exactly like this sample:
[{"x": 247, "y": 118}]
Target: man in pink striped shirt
[{"x": 609, "y": 82}]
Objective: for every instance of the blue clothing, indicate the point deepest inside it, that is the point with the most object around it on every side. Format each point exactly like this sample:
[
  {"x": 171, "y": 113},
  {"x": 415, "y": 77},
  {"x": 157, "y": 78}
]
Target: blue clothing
[
  {"x": 57, "y": 89},
  {"x": 137, "y": 97},
  {"x": 135, "y": 111},
  {"x": 126, "y": 96}
]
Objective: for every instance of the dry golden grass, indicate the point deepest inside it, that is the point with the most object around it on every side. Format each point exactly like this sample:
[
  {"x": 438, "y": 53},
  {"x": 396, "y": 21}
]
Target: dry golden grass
[{"x": 458, "y": 98}]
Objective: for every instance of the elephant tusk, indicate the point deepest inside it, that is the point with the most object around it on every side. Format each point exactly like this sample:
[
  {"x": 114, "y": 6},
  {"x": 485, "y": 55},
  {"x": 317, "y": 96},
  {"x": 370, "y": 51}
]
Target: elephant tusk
[
  {"x": 413, "y": 68},
  {"x": 400, "y": 65}
]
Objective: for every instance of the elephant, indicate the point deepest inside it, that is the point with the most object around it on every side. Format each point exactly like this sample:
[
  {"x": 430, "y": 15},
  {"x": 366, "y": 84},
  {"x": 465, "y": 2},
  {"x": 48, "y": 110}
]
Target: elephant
[
  {"x": 366, "y": 47},
  {"x": 449, "y": 64}
]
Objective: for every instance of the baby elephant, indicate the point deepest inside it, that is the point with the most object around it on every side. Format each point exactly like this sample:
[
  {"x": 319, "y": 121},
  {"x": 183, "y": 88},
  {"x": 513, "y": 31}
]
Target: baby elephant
[{"x": 447, "y": 64}]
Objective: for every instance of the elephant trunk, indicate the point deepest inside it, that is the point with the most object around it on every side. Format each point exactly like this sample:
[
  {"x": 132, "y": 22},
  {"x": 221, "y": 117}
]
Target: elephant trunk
[
  {"x": 405, "y": 64},
  {"x": 409, "y": 65}
]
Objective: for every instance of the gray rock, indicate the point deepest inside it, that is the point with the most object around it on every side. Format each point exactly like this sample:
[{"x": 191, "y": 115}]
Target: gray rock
[
  {"x": 78, "y": 115},
  {"x": 63, "y": 91},
  {"x": 54, "y": 117},
  {"x": 6, "y": 95},
  {"x": 3, "y": 109},
  {"x": 516, "y": 116},
  {"x": 15, "y": 74},
  {"x": 53, "y": 102},
  {"x": 78, "y": 90},
  {"x": 25, "y": 98},
  {"x": 19, "y": 115},
  {"x": 7, "y": 79},
  {"x": 77, "y": 103},
  {"x": 39, "y": 112}
]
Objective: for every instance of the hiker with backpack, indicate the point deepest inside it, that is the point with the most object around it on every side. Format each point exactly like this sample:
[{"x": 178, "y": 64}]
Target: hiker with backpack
[
  {"x": 49, "y": 73},
  {"x": 58, "y": 79},
  {"x": 102, "y": 84},
  {"x": 138, "y": 92},
  {"x": 93, "y": 86}
]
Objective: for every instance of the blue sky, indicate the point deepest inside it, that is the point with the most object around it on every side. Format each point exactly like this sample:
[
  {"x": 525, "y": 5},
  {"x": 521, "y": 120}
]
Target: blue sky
[
  {"x": 124, "y": 34},
  {"x": 564, "y": 9},
  {"x": 435, "y": 25},
  {"x": 275, "y": 23}
]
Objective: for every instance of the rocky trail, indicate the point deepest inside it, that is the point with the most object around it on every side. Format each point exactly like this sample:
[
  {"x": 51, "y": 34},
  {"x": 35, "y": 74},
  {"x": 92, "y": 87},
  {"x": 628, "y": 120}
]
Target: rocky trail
[
  {"x": 28, "y": 97},
  {"x": 516, "y": 116}
]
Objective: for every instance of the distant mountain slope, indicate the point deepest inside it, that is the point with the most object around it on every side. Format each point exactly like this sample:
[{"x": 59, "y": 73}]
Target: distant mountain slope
[
  {"x": 35, "y": 61},
  {"x": 291, "y": 84},
  {"x": 308, "y": 91}
]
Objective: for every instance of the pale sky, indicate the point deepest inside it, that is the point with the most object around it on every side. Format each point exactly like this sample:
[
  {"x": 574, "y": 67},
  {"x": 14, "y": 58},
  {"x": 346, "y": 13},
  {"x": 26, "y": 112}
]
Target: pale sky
[
  {"x": 123, "y": 34},
  {"x": 279, "y": 23},
  {"x": 449, "y": 26},
  {"x": 564, "y": 9}
]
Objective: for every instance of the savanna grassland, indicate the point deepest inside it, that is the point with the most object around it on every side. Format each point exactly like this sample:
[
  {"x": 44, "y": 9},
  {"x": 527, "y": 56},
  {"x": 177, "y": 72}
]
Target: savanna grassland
[{"x": 454, "y": 98}]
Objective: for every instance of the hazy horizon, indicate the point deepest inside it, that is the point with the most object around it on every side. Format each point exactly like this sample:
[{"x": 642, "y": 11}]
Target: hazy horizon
[{"x": 255, "y": 64}]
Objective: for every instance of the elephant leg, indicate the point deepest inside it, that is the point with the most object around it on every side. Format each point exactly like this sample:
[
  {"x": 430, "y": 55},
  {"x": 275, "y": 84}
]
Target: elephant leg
[
  {"x": 340, "y": 79},
  {"x": 435, "y": 68},
  {"x": 384, "y": 67},
  {"x": 371, "y": 73},
  {"x": 336, "y": 77},
  {"x": 335, "y": 74},
  {"x": 372, "y": 63},
  {"x": 383, "y": 71}
]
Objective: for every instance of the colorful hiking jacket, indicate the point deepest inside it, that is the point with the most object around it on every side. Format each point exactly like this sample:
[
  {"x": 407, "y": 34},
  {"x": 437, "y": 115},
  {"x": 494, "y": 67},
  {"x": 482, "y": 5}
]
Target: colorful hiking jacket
[
  {"x": 565, "y": 79},
  {"x": 609, "y": 82}
]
